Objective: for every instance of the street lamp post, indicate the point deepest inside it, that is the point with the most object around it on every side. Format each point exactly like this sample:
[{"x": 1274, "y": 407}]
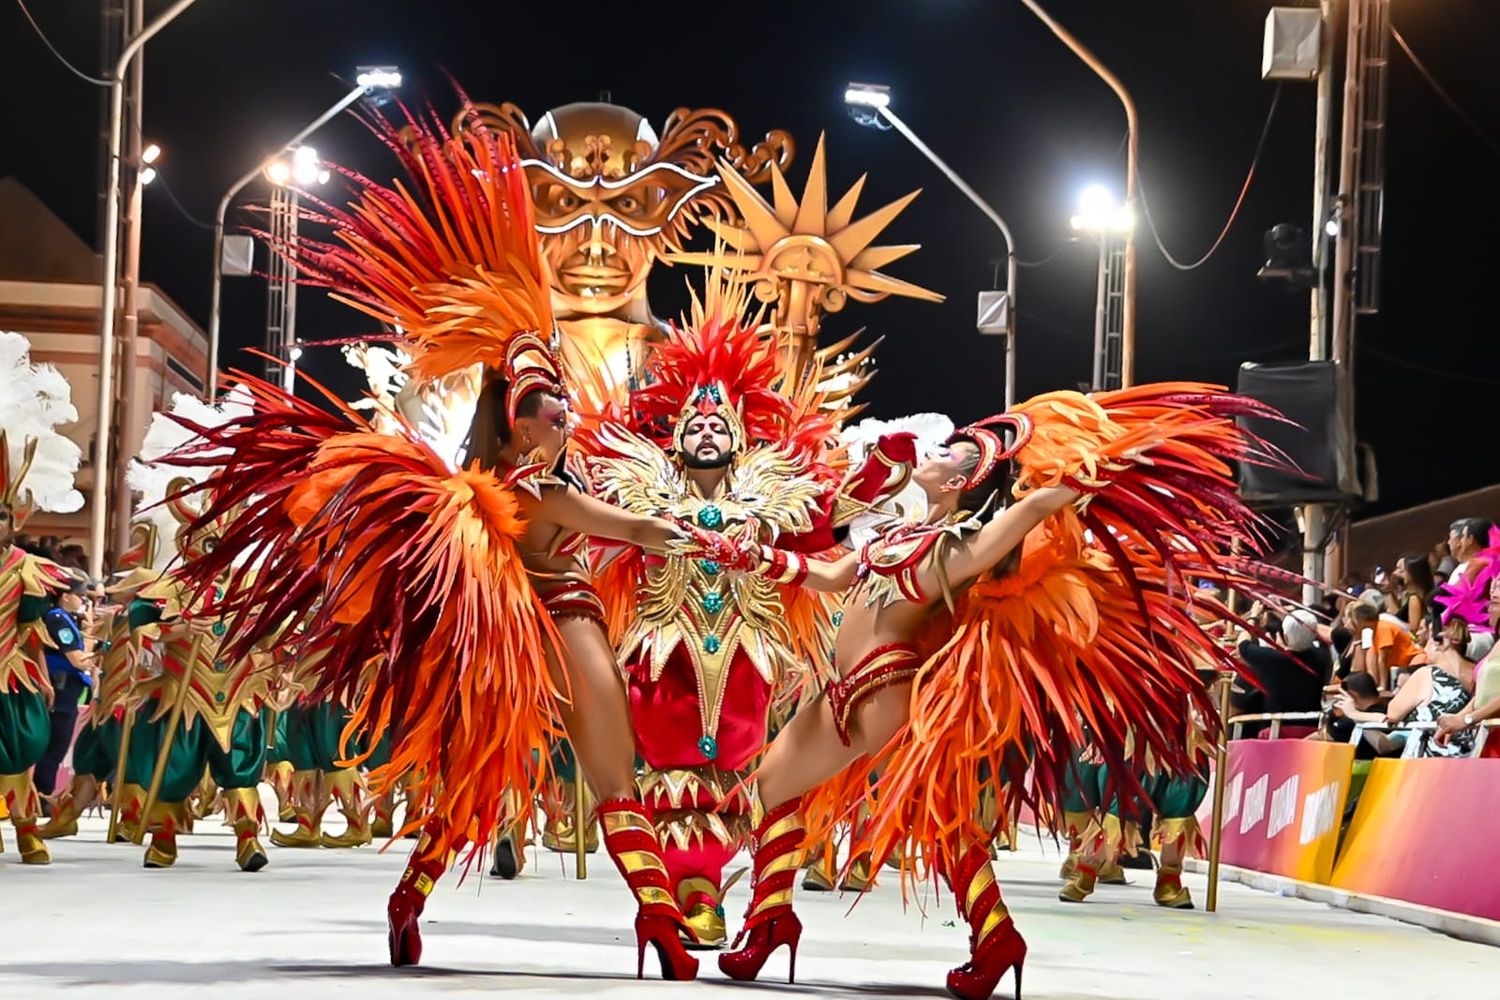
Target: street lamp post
[
  {"x": 99, "y": 495},
  {"x": 369, "y": 80},
  {"x": 1132, "y": 182},
  {"x": 1099, "y": 215},
  {"x": 877, "y": 100}
]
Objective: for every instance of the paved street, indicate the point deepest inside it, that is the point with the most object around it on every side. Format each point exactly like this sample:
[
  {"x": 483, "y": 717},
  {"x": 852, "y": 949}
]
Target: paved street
[{"x": 95, "y": 924}]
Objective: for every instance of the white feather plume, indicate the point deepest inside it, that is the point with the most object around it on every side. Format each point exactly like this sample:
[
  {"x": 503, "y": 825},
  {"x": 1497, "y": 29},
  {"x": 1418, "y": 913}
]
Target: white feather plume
[
  {"x": 931, "y": 429},
  {"x": 150, "y": 475},
  {"x": 34, "y": 401}
]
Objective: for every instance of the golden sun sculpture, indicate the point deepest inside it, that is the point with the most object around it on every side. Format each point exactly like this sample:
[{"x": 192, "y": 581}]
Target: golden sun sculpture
[{"x": 805, "y": 258}]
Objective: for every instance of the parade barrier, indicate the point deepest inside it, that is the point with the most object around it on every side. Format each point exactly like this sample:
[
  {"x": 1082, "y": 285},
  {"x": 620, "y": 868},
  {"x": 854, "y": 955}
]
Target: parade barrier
[
  {"x": 1424, "y": 832},
  {"x": 1282, "y": 803},
  {"x": 1417, "y": 835}
]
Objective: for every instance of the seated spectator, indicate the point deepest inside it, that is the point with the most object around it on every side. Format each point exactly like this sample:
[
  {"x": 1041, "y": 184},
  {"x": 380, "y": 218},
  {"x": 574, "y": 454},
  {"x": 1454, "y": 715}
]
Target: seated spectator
[
  {"x": 1360, "y": 691},
  {"x": 1410, "y": 594},
  {"x": 1486, "y": 701},
  {"x": 1428, "y": 694},
  {"x": 1381, "y": 646},
  {"x": 1290, "y": 674},
  {"x": 1441, "y": 561},
  {"x": 1466, "y": 537}
]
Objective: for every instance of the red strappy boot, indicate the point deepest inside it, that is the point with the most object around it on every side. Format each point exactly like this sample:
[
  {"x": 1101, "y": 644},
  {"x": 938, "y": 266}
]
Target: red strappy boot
[
  {"x": 770, "y": 922},
  {"x": 995, "y": 946},
  {"x": 630, "y": 838},
  {"x": 404, "y": 909}
]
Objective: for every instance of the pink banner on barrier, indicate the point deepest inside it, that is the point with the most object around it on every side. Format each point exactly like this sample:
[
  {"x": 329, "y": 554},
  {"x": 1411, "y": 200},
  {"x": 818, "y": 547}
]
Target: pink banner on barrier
[
  {"x": 1425, "y": 832},
  {"x": 1283, "y": 800}
]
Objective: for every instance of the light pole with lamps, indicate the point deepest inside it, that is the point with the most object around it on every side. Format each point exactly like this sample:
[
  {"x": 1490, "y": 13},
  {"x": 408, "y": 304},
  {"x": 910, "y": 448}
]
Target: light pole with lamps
[
  {"x": 108, "y": 279},
  {"x": 369, "y": 80},
  {"x": 873, "y": 102},
  {"x": 1100, "y": 215},
  {"x": 1132, "y": 182}
]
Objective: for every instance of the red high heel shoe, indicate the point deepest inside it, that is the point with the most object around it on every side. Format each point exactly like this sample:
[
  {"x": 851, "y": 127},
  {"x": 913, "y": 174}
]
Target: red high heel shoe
[
  {"x": 404, "y": 909},
  {"x": 662, "y": 933},
  {"x": 630, "y": 838},
  {"x": 996, "y": 955},
  {"x": 745, "y": 963},
  {"x": 995, "y": 945},
  {"x": 770, "y": 922},
  {"x": 403, "y": 936}
]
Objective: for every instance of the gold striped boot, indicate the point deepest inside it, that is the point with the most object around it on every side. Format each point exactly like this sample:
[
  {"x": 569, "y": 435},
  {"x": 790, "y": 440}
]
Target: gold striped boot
[
  {"x": 279, "y": 777},
  {"x": 82, "y": 792},
  {"x": 24, "y": 805},
  {"x": 243, "y": 812},
  {"x": 347, "y": 788},
  {"x": 309, "y": 802},
  {"x": 164, "y": 822}
]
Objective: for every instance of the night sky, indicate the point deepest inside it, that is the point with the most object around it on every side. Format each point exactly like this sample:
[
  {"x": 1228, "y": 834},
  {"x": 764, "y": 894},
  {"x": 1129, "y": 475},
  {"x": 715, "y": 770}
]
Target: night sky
[{"x": 981, "y": 81}]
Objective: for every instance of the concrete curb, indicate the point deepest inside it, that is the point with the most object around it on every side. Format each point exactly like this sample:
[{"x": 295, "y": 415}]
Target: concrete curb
[{"x": 1459, "y": 925}]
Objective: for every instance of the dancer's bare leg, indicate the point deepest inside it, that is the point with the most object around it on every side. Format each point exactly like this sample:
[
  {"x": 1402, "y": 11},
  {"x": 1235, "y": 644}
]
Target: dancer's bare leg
[
  {"x": 598, "y": 716},
  {"x": 808, "y": 751}
]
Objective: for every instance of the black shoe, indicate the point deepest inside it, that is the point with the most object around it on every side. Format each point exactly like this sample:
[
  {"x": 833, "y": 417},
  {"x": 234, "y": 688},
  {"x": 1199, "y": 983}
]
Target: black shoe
[
  {"x": 507, "y": 865},
  {"x": 1139, "y": 862}
]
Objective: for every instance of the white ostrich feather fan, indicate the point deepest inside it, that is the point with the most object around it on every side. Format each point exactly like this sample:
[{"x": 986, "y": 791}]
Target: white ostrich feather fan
[{"x": 34, "y": 401}]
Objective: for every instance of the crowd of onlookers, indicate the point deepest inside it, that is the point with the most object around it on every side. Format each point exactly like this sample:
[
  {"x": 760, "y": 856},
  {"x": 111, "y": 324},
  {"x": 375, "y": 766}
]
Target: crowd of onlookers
[
  {"x": 68, "y": 554},
  {"x": 1399, "y": 655}
]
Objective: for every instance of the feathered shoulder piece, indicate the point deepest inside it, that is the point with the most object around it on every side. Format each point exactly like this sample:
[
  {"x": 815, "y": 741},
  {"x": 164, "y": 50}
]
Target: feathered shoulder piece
[
  {"x": 403, "y": 575},
  {"x": 448, "y": 256},
  {"x": 37, "y": 463}
]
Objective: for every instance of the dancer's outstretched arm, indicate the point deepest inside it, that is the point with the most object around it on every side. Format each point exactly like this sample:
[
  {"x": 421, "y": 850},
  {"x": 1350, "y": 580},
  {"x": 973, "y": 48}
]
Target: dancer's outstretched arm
[
  {"x": 590, "y": 516},
  {"x": 985, "y": 549}
]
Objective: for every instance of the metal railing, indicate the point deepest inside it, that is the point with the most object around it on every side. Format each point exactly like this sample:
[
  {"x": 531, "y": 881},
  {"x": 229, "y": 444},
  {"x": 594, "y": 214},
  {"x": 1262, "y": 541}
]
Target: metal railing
[{"x": 1409, "y": 751}]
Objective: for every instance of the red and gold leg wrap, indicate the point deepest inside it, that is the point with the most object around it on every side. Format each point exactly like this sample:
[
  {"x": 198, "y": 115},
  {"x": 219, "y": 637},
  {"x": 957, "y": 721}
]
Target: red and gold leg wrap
[
  {"x": 770, "y": 922},
  {"x": 404, "y": 908},
  {"x": 630, "y": 838},
  {"x": 896, "y": 663},
  {"x": 995, "y": 946}
]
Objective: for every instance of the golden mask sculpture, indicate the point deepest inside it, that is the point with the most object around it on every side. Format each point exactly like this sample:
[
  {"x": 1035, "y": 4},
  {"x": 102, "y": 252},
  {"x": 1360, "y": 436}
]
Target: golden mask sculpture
[{"x": 612, "y": 197}]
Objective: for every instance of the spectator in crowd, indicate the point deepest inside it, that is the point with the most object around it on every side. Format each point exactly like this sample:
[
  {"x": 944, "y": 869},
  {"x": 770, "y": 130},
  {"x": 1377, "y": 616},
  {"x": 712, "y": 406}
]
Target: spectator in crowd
[
  {"x": 1410, "y": 594},
  {"x": 1359, "y": 690},
  {"x": 1380, "y": 646},
  {"x": 1290, "y": 674},
  {"x": 1486, "y": 701},
  {"x": 69, "y": 668},
  {"x": 1428, "y": 694},
  {"x": 1466, "y": 537},
  {"x": 1441, "y": 561}
]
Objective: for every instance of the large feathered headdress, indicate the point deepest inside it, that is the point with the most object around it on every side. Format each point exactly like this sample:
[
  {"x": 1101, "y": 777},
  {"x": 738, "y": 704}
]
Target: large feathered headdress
[
  {"x": 37, "y": 464},
  {"x": 715, "y": 362},
  {"x": 447, "y": 258}
]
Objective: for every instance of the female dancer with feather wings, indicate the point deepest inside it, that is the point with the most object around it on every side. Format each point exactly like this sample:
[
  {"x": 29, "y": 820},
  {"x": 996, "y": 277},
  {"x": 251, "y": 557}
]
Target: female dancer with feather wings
[
  {"x": 975, "y": 645},
  {"x": 451, "y": 606}
]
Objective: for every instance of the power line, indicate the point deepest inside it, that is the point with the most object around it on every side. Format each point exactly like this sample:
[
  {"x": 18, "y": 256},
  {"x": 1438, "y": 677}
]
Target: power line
[
  {"x": 96, "y": 81},
  {"x": 1045, "y": 260},
  {"x": 1463, "y": 116},
  {"x": 1238, "y": 202},
  {"x": 1423, "y": 369},
  {"x": 161, "y": 182}
]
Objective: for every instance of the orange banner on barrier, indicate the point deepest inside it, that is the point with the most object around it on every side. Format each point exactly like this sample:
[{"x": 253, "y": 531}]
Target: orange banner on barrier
[
  {"x": 1283, "y": 800},
  {"x": 1424, "y": 832}
]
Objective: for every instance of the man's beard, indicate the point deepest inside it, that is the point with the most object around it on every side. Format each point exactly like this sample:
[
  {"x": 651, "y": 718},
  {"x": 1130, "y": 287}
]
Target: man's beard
[{"x": 719, "y": 460}]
